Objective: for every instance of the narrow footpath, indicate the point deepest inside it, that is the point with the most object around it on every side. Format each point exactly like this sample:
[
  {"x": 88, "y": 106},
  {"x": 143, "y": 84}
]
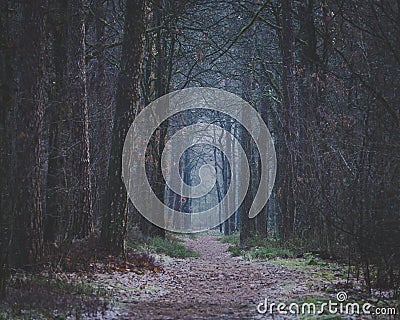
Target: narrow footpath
[{"x": 212, "y": 286}]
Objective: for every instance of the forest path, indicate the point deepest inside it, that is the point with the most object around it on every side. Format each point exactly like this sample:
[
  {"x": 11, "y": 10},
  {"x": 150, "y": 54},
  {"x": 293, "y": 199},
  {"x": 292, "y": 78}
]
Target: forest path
[{"x": 212, "y": 286}]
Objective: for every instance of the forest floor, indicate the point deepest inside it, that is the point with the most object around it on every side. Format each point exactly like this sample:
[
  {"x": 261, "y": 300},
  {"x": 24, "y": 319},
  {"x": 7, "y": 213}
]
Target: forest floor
[
  {"x": 213, "y": 285},
  {"x": 218, "y": 286}
]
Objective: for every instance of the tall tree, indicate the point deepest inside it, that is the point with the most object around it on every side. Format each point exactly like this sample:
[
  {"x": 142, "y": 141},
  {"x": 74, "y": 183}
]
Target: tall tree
[
  {"x": 57, "y": 197},
  {"x": 247, "y": 224},
  {"x": 159, "y": 64},
  {"x": 27, "y": 207},
  {"x": 289, "y": 120},
  {"x": 127, "y": 99},
  {"x": 100, "y": 87},
  {"x": 78, "y": 161},
  {"x": 6, "y": 102}
]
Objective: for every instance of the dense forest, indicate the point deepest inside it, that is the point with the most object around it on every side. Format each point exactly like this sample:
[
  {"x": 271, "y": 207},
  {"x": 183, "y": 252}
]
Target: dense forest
[{"x": 323, "y": 75}]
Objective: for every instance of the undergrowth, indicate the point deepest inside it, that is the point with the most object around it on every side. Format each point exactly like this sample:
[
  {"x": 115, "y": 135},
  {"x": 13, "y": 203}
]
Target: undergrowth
[
  {"x": 170, "y": 246},
  {"x": 258, "y": 248},
  {"x": 46, "y": 297},
  {"x": 231, "y": 238}
]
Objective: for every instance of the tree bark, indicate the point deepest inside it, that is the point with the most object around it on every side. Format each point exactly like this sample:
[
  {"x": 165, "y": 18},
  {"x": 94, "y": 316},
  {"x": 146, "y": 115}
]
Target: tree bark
[
  {"x": 290, "y": 122},
  {"x": 160, "y": 9},
  {"x": 247, "y": 224},
  {"x": 78, "y": 160},
  {"x": 6, "y": 101},
  {"x": 115, "y": 215},
  {"x": 100, "y": 112},
  {"x": 57, "y": 211},
  {"x": 27, "y": 242}
]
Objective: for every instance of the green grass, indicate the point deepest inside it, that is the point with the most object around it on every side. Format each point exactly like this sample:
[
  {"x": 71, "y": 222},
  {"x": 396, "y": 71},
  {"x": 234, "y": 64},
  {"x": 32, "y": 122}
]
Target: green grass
[
  {"x": 319, "y": 271},
  {"x": 286, "y": 256},
  {"x": 172, "y": 247},
  {"x": 232, "y": 238},
  {"x": 269, "y": 252},
  {"x": 264, "y": 252},
  {"x": 257, "y": 248},
  {"x": 317, "y": 301}
]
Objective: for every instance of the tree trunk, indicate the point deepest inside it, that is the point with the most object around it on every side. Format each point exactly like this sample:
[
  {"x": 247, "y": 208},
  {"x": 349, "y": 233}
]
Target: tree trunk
[
  {"x": 100, "y": 113},
  {"x": 290, "y": 122},
  {"x": 27, "y": 242},
  {"x": 78, "y": 160},
  {"x": 115, "y": 215},
  {"x": 57, "y": 211},
  {"x": 160, "y": 88},
  {"x": 247, "y": 225},
  {"x": 6, "y": 102}
]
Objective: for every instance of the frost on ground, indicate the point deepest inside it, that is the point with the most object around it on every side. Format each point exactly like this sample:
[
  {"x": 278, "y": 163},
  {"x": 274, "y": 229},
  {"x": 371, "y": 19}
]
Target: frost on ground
[{"x": 214, "y": 286}]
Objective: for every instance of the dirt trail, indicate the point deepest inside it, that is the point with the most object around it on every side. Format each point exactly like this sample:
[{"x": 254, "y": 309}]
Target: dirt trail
[{"x": 213, "y": 286}]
